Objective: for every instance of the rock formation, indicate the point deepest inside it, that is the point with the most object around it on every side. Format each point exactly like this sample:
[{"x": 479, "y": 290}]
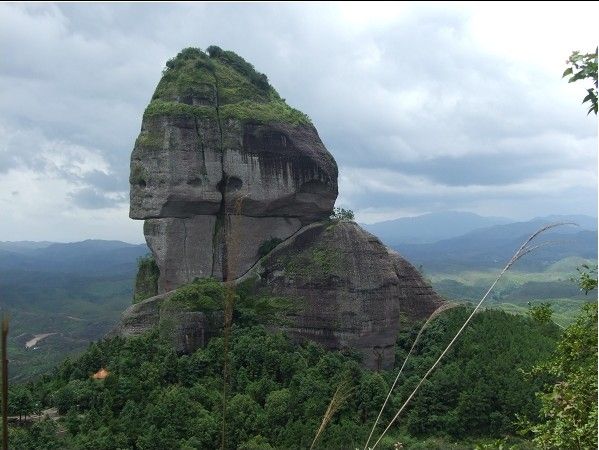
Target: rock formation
[
  {"x": 216, "y": 141},
  {"x": 349, "y": 290},
  {"x": 223, "y": 171}
]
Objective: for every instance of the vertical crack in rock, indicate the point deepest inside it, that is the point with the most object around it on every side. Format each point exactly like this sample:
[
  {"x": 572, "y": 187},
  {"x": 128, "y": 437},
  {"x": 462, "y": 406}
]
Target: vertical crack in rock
[
  {"x": 222, "y": 234},
  {"x": 187, "y": 272},
  {"x": 201, "y": 146}
]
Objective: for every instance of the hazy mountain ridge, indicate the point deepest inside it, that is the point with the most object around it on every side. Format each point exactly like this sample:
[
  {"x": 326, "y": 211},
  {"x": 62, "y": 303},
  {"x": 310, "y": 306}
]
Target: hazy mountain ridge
[
  {"x": 429, "y": 228},
  {"x": 434, "y": 227},
  {"x": 86, "y": 257},
  {"x": 491, "y": 247}
]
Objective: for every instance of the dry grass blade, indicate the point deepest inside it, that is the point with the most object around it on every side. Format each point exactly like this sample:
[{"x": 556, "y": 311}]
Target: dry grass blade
[
  {"x": 434, "y": 314},
  {"x": 342, "y": 393},
  {"x": 523, "y": 250}
]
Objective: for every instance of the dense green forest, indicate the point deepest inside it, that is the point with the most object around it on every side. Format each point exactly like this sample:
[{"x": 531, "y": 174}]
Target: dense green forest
[
  {"x": 73, "y": 293},
  {"x": 278, "y": 392}
]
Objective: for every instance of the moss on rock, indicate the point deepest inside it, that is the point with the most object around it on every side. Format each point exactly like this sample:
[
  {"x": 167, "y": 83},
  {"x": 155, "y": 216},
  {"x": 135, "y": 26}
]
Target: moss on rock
[
  {"x": 146, "y": 281},
  {"x": 222, "y": 85},
  {"x": 314, "y": 263}
]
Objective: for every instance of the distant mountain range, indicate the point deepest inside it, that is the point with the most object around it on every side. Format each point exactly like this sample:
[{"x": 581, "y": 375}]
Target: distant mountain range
[
  {"x": 491, "y": 247},
  {"x": 90, "y": 257},
  {"x": 430, "y": 228}
]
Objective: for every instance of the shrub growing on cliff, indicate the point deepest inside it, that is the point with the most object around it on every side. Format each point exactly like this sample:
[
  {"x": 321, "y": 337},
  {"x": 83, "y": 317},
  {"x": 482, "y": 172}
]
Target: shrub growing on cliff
[
  {"x": 205, "y": 294},
  {"x": 342, "y": 214},
  {"x": 208, "y": 295},
  {"x": 241, "y": 65},
  {"x": 146, "y": 281},
  {"x": 267, "y": 246}
]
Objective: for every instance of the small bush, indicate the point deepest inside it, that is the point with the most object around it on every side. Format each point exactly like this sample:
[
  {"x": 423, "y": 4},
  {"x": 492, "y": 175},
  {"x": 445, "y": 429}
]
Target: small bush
[
  {"x": 240, "y": 65},
  {"x": 541, "y": 313},
  {"x": 214, "y": 51},
  {"x": 146, "y": 281},
  {"x": 267, "y": 246},
  {"x": 206, "y": 295},
  {"x": 342, "y": 214}
]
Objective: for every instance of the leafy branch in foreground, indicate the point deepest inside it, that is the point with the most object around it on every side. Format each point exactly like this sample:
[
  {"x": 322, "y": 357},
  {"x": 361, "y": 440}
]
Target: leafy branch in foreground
[
  {"x": 587, "y": 278},
  {"x": 569, "y": 401},
  {"x": 583, "y": 66},
  {"x": 541, "y": 312}
]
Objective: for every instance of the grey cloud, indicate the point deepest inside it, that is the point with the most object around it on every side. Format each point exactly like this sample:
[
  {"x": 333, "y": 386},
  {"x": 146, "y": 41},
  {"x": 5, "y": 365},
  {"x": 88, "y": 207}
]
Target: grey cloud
[
  {"x": 107, "y": 183},
  {"x": 89, "y": 198},
  {"x": 415, "y": 96}
]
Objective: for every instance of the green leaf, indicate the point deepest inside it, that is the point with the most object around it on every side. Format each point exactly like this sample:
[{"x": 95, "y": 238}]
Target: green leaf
[{"x": 567, "y": 72}]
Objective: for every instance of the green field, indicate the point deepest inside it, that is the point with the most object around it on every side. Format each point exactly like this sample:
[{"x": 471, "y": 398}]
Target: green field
[{"x": 557, "y": 285}]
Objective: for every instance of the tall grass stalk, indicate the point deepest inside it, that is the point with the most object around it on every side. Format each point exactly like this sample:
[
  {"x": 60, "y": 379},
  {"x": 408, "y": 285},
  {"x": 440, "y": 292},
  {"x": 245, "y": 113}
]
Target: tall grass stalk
[
  {"x": 524, "y": 249},
  {"x": 342, "y": 393},
  {"x": 434, "y": 314},
  {"x": 4, "y": 383}
]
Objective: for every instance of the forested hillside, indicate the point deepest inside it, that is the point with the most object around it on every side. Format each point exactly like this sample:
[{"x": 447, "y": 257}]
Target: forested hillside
[
  {"x": 279, "y": 392},
  {"x": 66, "y": 294}
]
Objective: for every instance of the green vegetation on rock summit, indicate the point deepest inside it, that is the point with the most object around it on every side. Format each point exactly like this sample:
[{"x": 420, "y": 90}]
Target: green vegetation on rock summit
[{"x": 219, "y": 85}]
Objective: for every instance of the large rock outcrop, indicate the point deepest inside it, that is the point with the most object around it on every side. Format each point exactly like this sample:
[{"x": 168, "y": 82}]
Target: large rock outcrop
[
  {"x": 348, "y": 289},
  {"x": 234, "y": 184},
  {"x": 221, "y": 158}
]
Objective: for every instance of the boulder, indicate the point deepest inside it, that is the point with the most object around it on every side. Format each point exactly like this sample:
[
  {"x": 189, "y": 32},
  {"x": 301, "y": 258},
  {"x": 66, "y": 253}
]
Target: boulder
[{"x": 349, "y": 290}]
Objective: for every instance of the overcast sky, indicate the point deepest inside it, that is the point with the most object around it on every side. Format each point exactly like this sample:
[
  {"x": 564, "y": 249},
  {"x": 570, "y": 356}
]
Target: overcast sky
[{"x": 426, "y": 107}]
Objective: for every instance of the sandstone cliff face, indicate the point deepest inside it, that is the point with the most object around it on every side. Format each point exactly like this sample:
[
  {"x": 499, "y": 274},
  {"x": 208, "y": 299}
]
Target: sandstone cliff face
[
  {"x": 222, "y": 166},
  {"x": 220, "y": 155},
  {"x": 349, "y": 290}
]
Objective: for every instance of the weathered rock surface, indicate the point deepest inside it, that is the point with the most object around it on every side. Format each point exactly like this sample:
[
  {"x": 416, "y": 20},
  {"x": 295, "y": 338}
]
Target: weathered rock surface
[
  {"x": 187, "y": 248},
  {"x": 186, "y": 330},
  {"x": 215, "y": 142},
  {"x": 140, "y": 317},
  {"x": 349, "y": 290}
]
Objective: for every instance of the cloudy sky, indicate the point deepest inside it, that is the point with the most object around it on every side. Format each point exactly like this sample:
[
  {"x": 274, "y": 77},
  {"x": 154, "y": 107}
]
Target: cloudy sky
[{"x": 426, "y": 107}]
